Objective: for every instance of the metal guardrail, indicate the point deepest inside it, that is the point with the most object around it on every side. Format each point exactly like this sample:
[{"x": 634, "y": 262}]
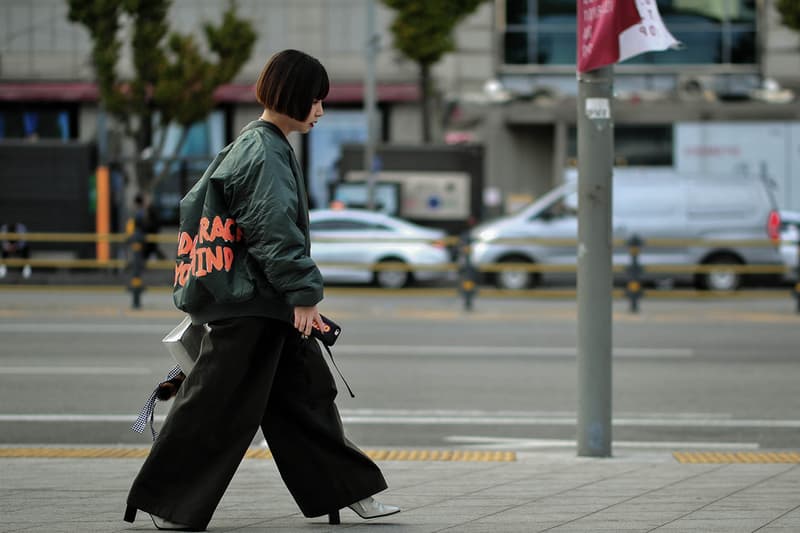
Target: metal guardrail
[{"x": 468, "y": 273}]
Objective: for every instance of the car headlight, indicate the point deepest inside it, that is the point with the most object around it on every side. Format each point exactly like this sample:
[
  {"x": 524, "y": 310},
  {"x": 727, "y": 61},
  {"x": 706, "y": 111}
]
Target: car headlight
[
  {"x": 478, "y": 250},
  {"x": 485, "y": 235}
]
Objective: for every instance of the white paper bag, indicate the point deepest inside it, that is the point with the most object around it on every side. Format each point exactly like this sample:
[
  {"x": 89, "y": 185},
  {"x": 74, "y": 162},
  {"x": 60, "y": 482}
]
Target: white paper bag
[{"x": 183, "y": 343}]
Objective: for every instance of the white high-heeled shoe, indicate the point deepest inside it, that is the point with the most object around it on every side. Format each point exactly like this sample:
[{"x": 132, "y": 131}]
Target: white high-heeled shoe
[
  {"x": 166, "y": 525},
  {"x": 371, "y": 508}
]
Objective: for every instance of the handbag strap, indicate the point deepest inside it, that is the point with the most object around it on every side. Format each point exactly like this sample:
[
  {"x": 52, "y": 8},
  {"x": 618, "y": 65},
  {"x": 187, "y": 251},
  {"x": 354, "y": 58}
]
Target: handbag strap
[{"x": 330, "y": 354}]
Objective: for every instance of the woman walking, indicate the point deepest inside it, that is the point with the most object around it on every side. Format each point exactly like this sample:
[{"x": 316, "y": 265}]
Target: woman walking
[{"x": 244, "y": 269}]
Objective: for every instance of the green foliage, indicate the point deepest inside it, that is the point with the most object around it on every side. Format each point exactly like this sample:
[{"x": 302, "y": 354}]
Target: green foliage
[
  {"x": 423, "y": 32},
  {"x": 423, "y": 29},
  {"x": 172, "y": 80},
  {"x": 232, "y": 40},
  {"x": 101, "y": 18},
  {"x": 790, "y": 13}
]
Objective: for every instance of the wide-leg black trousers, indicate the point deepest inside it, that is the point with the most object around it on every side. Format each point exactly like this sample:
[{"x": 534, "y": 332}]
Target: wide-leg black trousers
[{"x": 253, "y": 372}]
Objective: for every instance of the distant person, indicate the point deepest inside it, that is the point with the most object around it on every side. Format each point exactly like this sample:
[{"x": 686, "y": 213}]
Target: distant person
[
  {"x": 16, "y": 247},
  {"x": 245, "y": 270},
  {"x": 145, "y": 221},
  {"x": 135, "y": 226},
  {"x": 136, "y": 222},
  {"x": 152, "y": 225}
]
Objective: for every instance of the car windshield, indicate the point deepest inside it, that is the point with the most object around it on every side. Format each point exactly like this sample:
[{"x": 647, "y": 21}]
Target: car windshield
[
  {"x": 563, "y": 206},
  {"x": 344, "y": 224}
]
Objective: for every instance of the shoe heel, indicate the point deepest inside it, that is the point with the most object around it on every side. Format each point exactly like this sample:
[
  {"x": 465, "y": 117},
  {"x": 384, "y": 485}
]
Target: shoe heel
[
  {"x": 333, "y": 518},
  {"x": 130, "y": 514}
]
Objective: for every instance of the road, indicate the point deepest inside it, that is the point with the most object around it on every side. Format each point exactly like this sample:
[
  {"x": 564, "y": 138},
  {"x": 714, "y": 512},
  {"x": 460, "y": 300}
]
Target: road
[{"x": 76, "y": 365}]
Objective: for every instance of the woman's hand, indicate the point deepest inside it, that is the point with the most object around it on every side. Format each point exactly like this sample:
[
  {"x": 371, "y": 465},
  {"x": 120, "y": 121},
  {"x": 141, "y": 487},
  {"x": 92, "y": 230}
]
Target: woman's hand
[{"x": 305, "y": 318}]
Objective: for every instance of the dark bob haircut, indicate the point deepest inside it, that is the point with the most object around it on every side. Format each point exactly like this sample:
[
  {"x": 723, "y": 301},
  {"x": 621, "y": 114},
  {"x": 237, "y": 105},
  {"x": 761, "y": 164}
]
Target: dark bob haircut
[{"x": 290, "y": 82}]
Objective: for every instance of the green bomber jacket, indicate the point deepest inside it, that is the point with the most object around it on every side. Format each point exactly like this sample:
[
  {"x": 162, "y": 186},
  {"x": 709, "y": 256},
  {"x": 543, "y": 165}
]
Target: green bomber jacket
[{"x": 244, "y": 247}]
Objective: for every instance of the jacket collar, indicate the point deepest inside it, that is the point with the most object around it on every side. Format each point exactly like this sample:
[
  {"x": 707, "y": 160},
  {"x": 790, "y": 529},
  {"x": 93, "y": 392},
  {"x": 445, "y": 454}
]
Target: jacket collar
[{"x": 258, "y": 123}]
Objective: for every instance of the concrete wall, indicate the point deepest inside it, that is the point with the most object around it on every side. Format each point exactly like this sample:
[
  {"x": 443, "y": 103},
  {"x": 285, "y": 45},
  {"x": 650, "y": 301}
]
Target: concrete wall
[
  {"x": 38, "y": 43},
  {"x": 519, "y": 159},
  {"x": 781, "y": 58}
]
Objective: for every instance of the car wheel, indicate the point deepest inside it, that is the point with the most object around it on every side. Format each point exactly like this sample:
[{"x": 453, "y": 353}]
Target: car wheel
[
  {"x": 515, "y": 280},
  {"x": 721, "y": 279},
  {"x": 392, "y": 279}
]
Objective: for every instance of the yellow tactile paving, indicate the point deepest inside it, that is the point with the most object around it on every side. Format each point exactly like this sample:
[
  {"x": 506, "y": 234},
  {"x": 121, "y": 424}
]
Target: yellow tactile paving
[
  {"x": 736, "y": 457},
  {"x": 70, "y": 453},
  {"x": 441, "y": 455},
  {"x": 258, "y": 453}
]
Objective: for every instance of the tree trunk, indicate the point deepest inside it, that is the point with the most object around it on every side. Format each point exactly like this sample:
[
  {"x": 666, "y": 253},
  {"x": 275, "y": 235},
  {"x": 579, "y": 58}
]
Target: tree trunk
[
  {"x": 425, "y": 94},
  {"x": 144, "y": 139}
]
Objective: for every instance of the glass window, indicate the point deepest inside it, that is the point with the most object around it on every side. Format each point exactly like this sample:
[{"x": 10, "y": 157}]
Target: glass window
[
  {"x": 37, "y": 121},
  {"x": 517, "y": 12},
  {"x": 515, "y": 44},
  {"x": 555, "y": 41},
  {"x": 743, "y": 46},
  {"x": 556, "y": 7},
  {"x": 325, "y": 141},
  {"x": 203, "y": 140},
  {"x": 542, "y": 32},
  {"x": 635, "y": 145}
]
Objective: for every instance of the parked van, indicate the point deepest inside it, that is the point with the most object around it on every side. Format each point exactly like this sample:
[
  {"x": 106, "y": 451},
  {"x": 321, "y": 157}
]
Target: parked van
[{"x": 652, "y": 205}]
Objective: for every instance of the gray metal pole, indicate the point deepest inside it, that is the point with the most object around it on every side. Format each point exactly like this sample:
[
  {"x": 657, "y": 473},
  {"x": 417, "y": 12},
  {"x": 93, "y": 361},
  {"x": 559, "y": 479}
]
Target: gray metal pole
[
  {"x": 369, "y": 104},
  {"x": 595, "y": 166}
]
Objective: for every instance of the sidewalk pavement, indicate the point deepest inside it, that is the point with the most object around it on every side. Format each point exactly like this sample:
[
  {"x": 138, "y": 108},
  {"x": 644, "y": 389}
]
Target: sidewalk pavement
[
  {"x": 636, "y": 490},
  {"x": 543, "y": 491}
]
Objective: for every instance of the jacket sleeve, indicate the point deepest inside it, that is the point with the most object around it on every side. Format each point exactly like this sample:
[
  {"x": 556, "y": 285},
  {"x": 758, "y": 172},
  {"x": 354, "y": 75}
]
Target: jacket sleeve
[{"x": 262, "y": 198}]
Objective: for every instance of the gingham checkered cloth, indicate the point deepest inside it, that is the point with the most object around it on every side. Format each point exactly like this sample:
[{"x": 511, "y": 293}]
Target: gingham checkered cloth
[{"x": 148, "y": 409}]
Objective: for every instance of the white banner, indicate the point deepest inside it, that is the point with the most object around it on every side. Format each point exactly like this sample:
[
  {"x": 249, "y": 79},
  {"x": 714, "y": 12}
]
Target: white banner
[{"x": 649, "y": 35}]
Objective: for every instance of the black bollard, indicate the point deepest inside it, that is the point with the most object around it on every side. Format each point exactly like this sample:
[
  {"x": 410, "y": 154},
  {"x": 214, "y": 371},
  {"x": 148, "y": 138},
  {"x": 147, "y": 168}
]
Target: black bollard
[
  {"x": 633, "y": 289},
  {"x": 136, "y": 285},
  {"x": 468, "y": 276}
]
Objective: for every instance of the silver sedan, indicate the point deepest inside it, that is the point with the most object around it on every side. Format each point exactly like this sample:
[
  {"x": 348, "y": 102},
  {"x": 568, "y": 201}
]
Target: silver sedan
[{"x": 358, "y": 246}]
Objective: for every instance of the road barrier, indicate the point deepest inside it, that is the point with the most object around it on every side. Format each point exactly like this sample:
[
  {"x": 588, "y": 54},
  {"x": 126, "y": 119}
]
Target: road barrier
[{"x": 468, "y": 274}]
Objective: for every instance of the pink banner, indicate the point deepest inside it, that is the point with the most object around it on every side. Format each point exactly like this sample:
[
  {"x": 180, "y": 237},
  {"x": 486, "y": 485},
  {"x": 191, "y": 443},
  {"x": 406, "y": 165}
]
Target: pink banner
[{"x": 600, "y": 22}]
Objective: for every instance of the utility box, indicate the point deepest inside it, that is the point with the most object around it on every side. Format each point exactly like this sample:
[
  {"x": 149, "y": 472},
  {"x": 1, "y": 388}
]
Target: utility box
[{"x": 438, "y": 186}]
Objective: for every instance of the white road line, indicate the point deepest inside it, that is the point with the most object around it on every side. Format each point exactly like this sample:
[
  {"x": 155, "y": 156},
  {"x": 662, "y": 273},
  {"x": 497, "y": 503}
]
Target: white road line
[
  {"x": 500, "y": 443},
  {"x": 73, "y": 418},
  {"x": 83, "y": 328},
  {"x": 367, "y": 349},
  {"x": 505, "y": 351},
  {"x": 545, "y": 421},
  {"x": 511, "y": 413},
  {"x": 76, "y": 370},
  {"x": 487, "y": 419}
]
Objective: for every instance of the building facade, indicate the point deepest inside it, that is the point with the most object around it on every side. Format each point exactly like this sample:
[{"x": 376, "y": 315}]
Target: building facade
[
  {"x": 726, "y": 102},
  {"x": 47, "y": 87},
  {"x": 509, "y": 86}
]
